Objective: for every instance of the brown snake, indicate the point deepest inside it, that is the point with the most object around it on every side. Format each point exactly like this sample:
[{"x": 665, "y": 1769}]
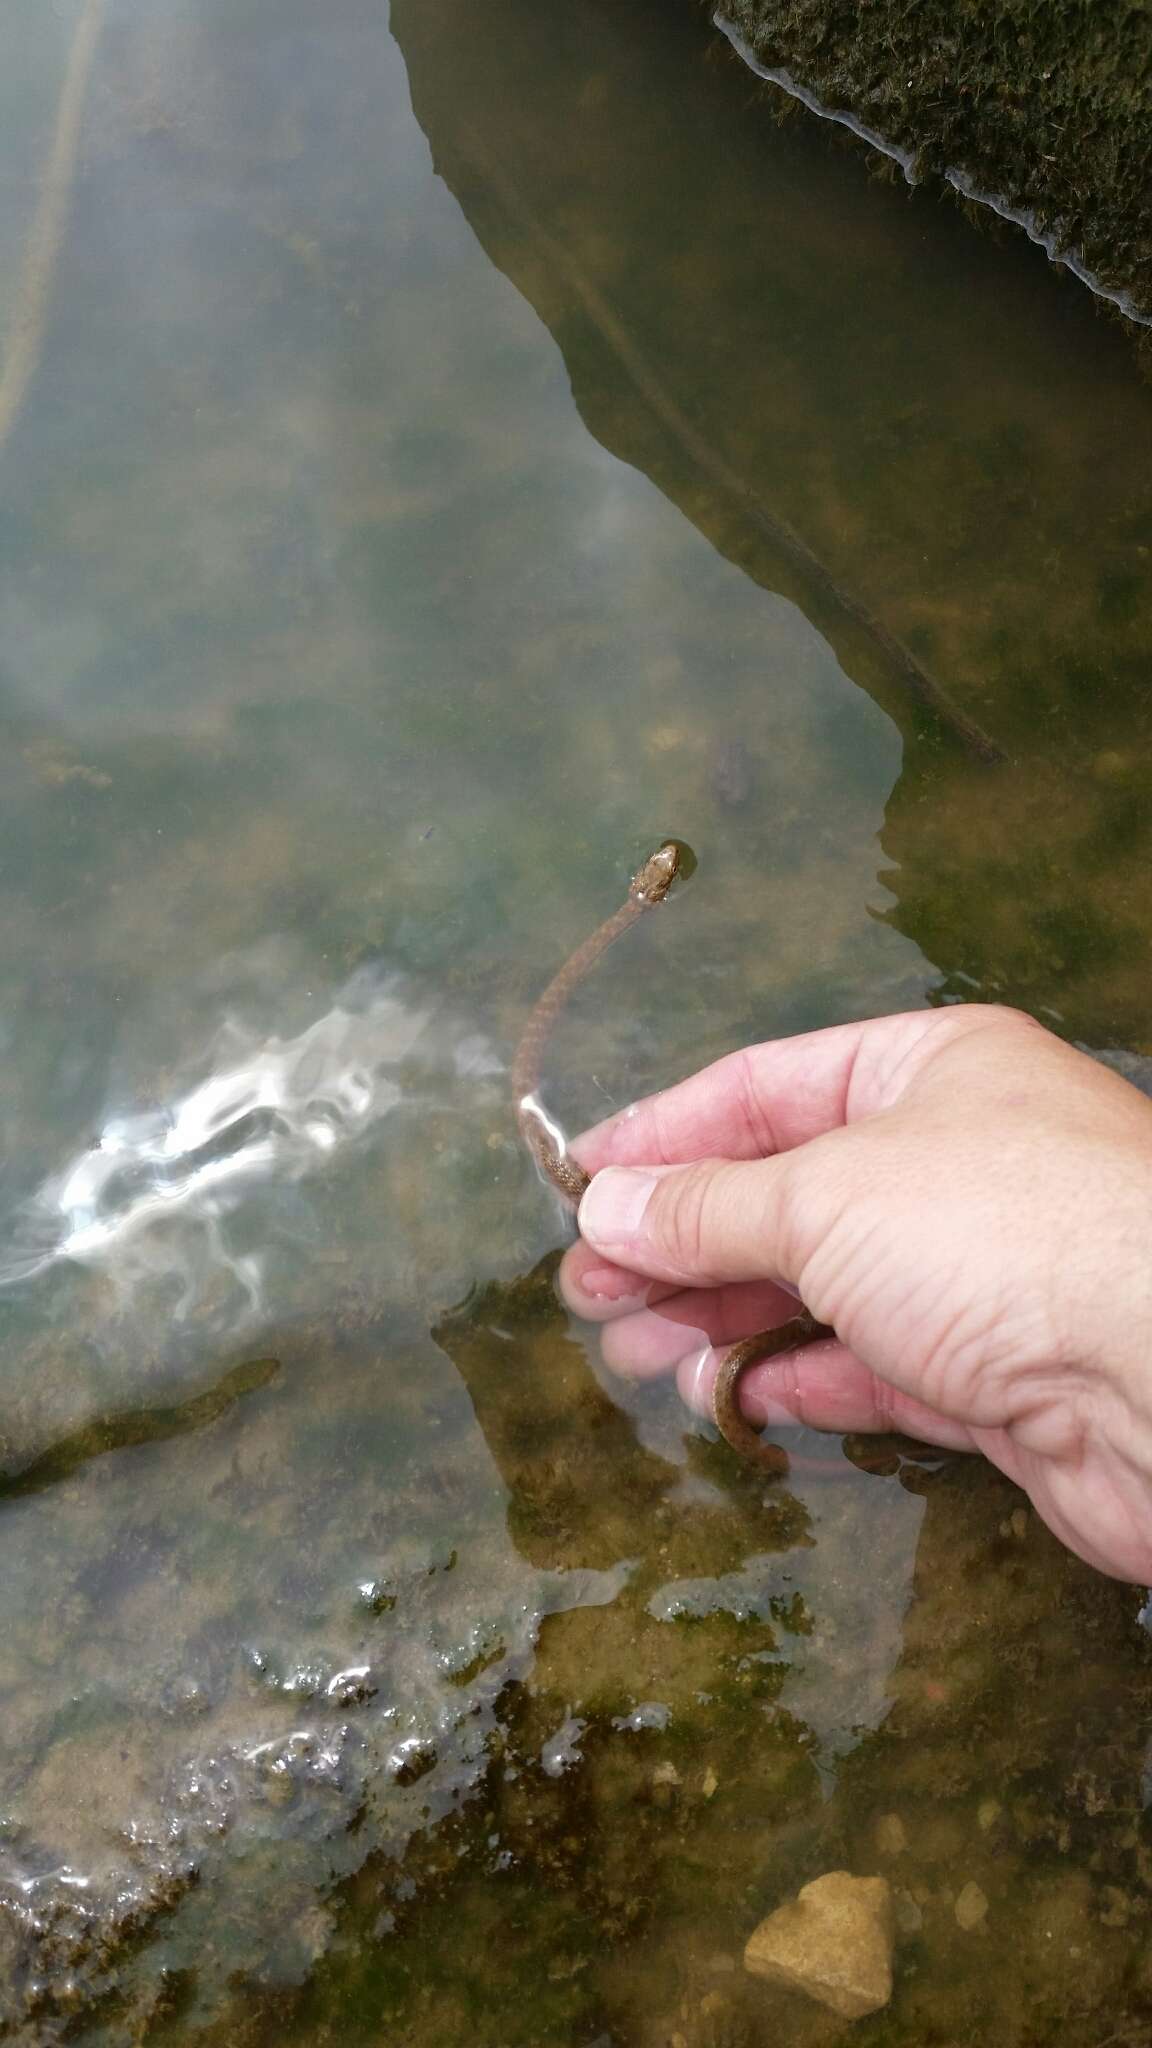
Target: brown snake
[{"x": 650, "y": 885}]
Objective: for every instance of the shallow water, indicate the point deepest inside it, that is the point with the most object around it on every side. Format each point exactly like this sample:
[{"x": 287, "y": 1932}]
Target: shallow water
[{"x": 455, "y": 458}]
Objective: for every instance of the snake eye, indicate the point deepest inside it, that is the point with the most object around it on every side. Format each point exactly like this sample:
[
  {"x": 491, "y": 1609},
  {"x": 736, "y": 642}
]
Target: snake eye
[{"x": 659, "y": 872}]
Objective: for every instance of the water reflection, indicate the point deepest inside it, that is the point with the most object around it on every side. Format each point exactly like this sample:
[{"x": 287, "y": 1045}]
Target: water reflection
[{"x": 993, "y": 516}]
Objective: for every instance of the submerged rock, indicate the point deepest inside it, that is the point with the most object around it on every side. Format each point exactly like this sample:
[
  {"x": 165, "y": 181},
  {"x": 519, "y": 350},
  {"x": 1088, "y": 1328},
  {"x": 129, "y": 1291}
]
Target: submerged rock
[
  {"x": 833, "y": 1941},
  {"x": 890, "y": 1835},
  {"x": 1040, "y": 114},
  {"x": 971, "y": 1907}
]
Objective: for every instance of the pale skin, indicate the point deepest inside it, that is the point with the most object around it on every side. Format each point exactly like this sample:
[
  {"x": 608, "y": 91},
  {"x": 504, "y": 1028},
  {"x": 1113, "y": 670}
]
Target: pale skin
[{"x": 963, "y": 1197}]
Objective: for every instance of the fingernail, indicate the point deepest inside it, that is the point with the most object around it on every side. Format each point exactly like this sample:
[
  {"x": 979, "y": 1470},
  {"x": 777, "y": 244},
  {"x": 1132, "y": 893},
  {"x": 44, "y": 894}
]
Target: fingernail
[
  {"x": 701, "y": 1369},
  {"x": 612, "y": 1211},
  {"x": 608, "y": 1283}
]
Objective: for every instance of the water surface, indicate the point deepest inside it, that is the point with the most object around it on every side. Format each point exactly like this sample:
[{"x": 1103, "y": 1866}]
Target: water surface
[{"x": 459, "y": 454}]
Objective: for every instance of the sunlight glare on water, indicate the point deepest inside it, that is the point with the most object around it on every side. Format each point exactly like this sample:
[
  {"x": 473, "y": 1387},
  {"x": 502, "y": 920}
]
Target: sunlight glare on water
[{"x": 271, "y": 1112}]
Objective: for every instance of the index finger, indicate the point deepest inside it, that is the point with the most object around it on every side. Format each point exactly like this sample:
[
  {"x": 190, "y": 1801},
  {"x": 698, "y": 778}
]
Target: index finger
[{"x": 765, "y": 1098}]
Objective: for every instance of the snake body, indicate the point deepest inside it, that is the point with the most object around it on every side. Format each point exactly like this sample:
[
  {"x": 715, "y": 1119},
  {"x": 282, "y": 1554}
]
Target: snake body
[
  {"x": 727, "y": 1413},
  {"x": 649, "y": 886}
]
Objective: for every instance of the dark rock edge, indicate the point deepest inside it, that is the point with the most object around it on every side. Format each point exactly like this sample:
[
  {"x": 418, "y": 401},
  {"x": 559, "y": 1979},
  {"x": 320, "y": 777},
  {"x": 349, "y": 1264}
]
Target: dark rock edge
[{"x": 1046, "y": 106}]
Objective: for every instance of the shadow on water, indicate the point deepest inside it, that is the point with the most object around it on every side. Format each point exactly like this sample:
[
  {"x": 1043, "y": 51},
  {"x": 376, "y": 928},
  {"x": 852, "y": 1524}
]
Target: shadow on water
[
  {"x": 926, "y": 439},
  {"x": 437, "y": 1692},
  {"x": 137, "y": 1426}
]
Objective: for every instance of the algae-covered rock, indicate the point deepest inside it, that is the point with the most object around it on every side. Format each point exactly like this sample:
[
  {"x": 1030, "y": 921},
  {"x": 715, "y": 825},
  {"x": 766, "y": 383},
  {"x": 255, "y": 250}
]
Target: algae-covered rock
[{"x": 1047, "y": 108}]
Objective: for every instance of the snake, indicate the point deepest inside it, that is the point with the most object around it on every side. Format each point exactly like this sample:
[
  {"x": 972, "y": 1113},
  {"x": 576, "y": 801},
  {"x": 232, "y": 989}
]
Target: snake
[{"x": 648, "y": 888}]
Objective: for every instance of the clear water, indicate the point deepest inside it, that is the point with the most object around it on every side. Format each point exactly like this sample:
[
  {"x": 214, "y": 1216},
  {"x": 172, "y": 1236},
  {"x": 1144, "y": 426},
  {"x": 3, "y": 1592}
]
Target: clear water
[{"x": 397, "y": 537}]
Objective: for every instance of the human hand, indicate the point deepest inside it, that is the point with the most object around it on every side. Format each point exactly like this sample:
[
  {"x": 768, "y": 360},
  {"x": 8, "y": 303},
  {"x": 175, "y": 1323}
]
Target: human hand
[{"x": 963, "y": 1197}]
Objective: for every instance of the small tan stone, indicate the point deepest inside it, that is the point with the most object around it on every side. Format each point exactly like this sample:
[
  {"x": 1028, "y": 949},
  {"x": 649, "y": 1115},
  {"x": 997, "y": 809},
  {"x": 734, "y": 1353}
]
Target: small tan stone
[
  {"x": 987, "y": 1814},
  {"x": 971, "y": 1907},
  {"x": 891, "y": 1839},
  {"x": 833, "y": 1941},
  {"x": 665, "y": 1785},
  {"x": 710, "y": 1784}
]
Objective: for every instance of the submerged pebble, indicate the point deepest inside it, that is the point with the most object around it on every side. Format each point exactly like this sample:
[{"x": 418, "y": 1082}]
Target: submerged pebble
[
  {"x": 833, "y": 1941},
  {"x": 971, "y": 1907},
  {"x": 891, "y": 1839}
]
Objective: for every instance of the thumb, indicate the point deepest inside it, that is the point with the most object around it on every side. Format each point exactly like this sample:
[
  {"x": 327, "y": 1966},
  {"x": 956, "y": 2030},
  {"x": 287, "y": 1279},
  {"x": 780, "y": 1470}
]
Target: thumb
[{"x": 698, "y": 1226}]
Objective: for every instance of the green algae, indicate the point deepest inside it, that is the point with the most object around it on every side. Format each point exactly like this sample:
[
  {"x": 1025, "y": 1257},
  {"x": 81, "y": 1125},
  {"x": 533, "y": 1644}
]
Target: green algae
[{"x": 138, "y": 1426}]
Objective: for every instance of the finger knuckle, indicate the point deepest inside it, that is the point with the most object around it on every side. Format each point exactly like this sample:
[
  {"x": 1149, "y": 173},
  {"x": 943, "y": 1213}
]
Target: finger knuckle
[
  {"x": 1004, "y": 1016},
  {"x": 685, "y": 1202}
]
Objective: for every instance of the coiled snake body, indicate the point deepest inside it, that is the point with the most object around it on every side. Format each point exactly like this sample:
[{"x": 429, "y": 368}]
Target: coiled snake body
[{"x": 650, "y": 885}]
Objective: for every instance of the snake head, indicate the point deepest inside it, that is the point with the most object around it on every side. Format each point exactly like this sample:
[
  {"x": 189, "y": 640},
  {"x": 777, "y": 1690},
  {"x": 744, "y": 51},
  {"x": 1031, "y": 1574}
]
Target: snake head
[{"x": 651, "y": 883}]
